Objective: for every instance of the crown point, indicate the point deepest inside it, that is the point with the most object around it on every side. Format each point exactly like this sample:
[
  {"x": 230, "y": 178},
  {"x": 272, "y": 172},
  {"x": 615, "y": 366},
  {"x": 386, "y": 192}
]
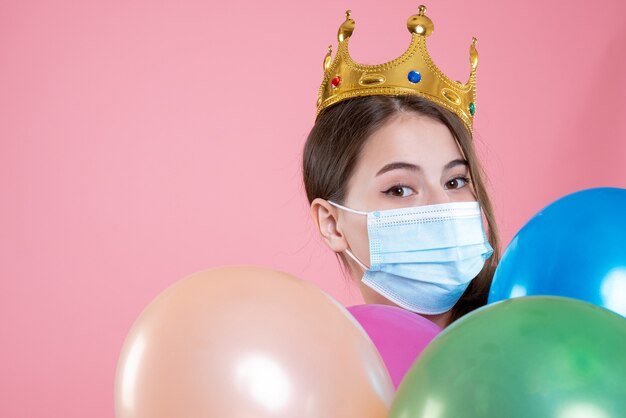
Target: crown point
[
  {"x": 346, "y": 28},
  {"x": 420, "y": 23},
  {"x": 473, "y": 54}
]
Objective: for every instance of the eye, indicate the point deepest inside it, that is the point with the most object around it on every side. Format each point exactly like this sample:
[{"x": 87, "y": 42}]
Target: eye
[
  {"x": 458, "y": 182},
  {"x": 399, "y": 191}
]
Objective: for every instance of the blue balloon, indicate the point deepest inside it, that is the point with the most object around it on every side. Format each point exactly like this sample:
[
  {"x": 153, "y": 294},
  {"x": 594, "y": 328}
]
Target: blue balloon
[{"x": 574, "y": 247}]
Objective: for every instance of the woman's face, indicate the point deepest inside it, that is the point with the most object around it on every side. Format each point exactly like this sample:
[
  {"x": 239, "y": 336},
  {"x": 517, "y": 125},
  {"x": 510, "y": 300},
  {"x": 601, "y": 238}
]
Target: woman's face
[{"x": 412, "y": 160}]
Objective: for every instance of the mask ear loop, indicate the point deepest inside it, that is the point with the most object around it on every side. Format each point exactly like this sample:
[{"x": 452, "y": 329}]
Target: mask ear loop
[
  {"x": 356, "y": 260},
  {"x": 358, "y": 212}
]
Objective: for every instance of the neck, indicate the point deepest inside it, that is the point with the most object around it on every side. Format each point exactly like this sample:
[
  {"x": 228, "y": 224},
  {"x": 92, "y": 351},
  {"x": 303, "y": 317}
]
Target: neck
[{"x": 442, "y": 320}]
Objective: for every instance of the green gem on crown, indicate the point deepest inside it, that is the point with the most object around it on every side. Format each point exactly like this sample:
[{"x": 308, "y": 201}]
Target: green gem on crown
[{"x": 472, "y": 108}]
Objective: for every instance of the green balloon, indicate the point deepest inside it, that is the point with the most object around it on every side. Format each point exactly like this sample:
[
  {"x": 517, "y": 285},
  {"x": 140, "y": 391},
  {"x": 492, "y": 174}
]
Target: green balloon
[{"x": 525, "y": 357}]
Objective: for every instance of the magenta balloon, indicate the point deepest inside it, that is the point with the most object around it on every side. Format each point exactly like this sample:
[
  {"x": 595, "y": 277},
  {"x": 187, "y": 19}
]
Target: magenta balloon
[{"x": 399, "y": 335}]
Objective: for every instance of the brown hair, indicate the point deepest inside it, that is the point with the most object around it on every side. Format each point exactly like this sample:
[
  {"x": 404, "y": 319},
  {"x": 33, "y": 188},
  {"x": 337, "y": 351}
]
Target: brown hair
[{"x": 335, "y": 143}]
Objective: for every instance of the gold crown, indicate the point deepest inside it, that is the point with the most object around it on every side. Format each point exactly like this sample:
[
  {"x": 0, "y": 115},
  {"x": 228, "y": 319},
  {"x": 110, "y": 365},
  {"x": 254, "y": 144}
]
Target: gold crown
[{"x": 414, "y": 72}]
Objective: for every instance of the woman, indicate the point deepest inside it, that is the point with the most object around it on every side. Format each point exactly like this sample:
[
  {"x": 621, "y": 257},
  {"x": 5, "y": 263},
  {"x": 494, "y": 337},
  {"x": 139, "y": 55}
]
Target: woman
[{"x": 394, "y": 184}]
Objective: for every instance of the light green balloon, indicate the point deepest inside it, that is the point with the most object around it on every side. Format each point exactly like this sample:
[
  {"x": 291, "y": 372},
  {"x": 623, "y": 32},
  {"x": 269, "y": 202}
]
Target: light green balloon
[{"x": 526, "y": 357}]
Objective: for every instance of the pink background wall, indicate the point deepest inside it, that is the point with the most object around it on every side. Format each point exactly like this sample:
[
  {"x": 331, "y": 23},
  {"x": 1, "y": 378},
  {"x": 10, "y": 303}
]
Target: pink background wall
[{"x": 143, "y": 141}]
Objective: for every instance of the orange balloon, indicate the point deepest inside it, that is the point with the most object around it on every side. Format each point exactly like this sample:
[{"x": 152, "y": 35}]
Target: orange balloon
[{"x": 249, "y": 342}]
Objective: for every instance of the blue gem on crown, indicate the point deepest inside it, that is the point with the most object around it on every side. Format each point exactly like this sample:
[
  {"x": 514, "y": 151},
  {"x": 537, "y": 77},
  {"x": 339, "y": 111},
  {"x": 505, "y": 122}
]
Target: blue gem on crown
[{"x": 414, "y": 76}]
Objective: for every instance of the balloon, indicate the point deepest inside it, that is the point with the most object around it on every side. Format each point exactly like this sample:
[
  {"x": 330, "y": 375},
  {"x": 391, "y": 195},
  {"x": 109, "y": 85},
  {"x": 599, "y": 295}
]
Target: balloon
[
  {"x": 539, "y": 356},
  {"x": 399, "y": 335},
  {"x": 249, "y": 342},
  {"x": 575, "y": 247}
]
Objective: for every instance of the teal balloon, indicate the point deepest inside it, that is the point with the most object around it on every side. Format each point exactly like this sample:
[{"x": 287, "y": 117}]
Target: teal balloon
[{"x": 537, "y": 356}]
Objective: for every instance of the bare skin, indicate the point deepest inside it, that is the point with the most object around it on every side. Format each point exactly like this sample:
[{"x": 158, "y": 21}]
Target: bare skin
[{"x": 431, "y": 172}]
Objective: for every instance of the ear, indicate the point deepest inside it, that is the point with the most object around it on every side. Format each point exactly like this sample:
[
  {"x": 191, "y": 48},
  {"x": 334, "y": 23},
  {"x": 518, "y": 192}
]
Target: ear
[{"x": 324, "y": 216}]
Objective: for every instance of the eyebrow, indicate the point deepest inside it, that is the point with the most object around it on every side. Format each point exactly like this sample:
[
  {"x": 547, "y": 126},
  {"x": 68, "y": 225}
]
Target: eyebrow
[{"x": 401, "y": 165}]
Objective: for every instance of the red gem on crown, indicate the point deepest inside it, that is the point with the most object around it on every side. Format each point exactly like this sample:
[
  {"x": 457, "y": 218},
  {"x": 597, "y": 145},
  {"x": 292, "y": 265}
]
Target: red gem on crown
[{"x": 336, "y": 81}]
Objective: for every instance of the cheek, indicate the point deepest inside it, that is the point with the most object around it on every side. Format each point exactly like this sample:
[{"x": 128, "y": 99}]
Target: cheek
[
  {"x": 356, "y": 234},
  {"x": 472, "y": 192},
  {"x": 467, "y": 194}
]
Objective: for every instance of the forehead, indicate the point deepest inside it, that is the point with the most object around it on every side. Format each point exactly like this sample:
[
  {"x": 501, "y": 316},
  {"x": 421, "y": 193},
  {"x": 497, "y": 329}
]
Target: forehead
[{"x": 411, "y": 138}]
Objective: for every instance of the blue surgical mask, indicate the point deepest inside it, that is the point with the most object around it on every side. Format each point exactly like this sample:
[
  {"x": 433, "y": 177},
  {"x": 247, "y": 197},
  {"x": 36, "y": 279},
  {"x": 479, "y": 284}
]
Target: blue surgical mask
[{"x": 423, "y": 258}]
